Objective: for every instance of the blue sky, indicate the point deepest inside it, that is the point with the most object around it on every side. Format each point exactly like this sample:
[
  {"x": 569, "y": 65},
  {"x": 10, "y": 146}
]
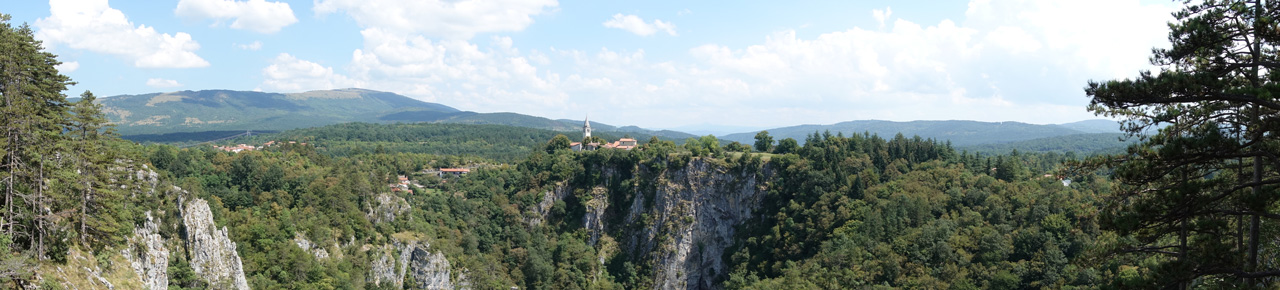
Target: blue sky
[{"x": 656, "y": 64}]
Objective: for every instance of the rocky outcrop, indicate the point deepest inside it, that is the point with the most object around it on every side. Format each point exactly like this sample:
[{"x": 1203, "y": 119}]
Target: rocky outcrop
[
  {"x": 593, "y": 220},
  {"x": 412, "y": 258},
  {"x": 386, "y": 207},
  {"x": 696, "y": 208},
  {"x": 686, "y": 223},
  {"x": 213, "y": 255},
  {"x": 539, "y": 212},
  {"x": 429, "y": 270},
  {"x": 316, "y": 250},
  {"x": 383, "y": 270},
  {"x": 147, "y": 254}
]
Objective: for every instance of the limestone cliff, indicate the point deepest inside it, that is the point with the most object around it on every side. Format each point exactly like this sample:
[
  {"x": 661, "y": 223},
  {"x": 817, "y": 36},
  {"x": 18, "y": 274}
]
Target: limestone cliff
[
  {"x": 694, "y": 212},
  {"x": 385, "y": 207},
  {"x": 410, "y": 257},
  {"x": 148, "y": 255},
  {"x": 681, "y": 225},
  {"x": 316, "y": 250},
  {"x": 213, "y": 255}
]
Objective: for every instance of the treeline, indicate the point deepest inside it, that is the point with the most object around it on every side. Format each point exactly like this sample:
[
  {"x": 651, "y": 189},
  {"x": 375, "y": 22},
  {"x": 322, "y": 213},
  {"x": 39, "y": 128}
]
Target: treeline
[
  {"x": 1080, "y": 144},
  {"x": 65, "y": 176},
  {"x": 495, "y": 143}
]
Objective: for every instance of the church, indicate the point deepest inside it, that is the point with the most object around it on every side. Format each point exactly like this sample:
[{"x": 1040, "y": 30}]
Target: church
[{"x": 624, "y": 143}]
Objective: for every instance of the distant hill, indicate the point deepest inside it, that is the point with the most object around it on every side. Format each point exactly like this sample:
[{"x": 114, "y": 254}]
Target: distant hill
[
  {"x": 225, "y": 110},
  {"x": 189, "y": 115},
  {"x": 960, "y": 133},
  {"x": 1092, "y": 143},
  {"x": 1094, "y": 126}
]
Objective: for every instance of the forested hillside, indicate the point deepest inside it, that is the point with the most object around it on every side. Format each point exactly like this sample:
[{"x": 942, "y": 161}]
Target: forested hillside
[
  {"x": 960, "y": 133},
  {"x": 910, "y": 212},
  {"x": 485, "y": 206}
]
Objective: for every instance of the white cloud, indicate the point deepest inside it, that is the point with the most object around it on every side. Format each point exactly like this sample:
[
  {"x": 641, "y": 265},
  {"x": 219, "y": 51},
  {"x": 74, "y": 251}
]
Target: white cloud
[
  {"x": 635, "y": 24},
  {"x": 290, "y": 74},
  {"x": 68, "y": 67},
  {"x": 93, "y": 25},
  {"x": 162, "y": 83},
  {"x": 1005, "y": 60},
  {"x": 257, "y": 15},
  {"x": 256, "y": 45},
  {"x": 439, "y": 18},
  {"x": 881, "y": 15}
]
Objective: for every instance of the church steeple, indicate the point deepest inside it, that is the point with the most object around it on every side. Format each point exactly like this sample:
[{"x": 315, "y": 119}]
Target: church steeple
[{"x": 586, "y": 127}]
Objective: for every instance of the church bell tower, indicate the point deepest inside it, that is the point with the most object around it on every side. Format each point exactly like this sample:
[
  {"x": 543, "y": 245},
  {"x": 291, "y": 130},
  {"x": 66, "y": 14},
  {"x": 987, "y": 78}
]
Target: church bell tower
[{"x": 586, "y": 128}]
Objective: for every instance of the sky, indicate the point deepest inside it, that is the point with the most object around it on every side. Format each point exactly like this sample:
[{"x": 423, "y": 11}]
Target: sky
[{"x": 655, "y": 64}]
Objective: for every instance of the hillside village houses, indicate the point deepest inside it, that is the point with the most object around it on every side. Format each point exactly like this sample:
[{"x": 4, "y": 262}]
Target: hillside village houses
[
  {"x": 244, "y": 147},
  {"x": 624, "y": 143}
]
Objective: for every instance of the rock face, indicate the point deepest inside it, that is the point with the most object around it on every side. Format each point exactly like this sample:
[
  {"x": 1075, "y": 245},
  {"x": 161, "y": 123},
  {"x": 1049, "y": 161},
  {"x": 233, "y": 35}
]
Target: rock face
[
  {"x": 696, "y": 208},
  {"x": 148, "y": 256},
  {"x": 415, "y": 259},
  {"x": 543, "y": 208},
  {"x": 386, "y": 207},
  {"x": 316, "y": 250},
  {"x": 431, "y": 271},
  {"x": 593, "y": 220},
  {"x": 683, "y": 226},
  {"x": 213, "y": 255}
]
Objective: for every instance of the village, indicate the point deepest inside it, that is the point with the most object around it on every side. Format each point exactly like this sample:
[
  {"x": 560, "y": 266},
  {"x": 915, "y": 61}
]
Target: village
[
  {"x": 405, "y": 184},
  {"x": 622, "y": 144}
]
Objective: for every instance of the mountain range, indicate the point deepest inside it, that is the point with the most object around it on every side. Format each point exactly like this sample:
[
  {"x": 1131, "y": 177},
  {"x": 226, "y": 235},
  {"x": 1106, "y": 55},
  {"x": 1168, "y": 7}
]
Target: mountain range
[{"x": 188, "y": 113}]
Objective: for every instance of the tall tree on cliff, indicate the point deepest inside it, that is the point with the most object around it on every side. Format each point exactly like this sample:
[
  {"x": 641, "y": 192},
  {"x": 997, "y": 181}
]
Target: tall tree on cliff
[
  {"x": 32, "y": 110},
  {"x": 1198, "y": 199}
]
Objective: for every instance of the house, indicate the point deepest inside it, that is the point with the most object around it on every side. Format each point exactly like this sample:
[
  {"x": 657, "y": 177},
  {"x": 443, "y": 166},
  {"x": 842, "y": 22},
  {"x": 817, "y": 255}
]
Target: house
[
  {"x": 236, "y": 148},
  {"x": 454, "y": 171},
  {"x": 402, "y": 184},
  {"x": 623, "y": 144}
]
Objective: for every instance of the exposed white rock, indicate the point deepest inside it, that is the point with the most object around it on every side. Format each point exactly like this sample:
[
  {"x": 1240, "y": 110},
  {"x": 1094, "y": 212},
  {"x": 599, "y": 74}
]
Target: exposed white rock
[
  {"x": 147, "y": 254},
  {"x": 593, "y": 220},
  {"x": 383, "y": 267},
  {"x": 316, "y": 250},
  {"x": 386, "y": 207},
  {"x": 697, "y": 207},
  {"x": 414, "y": 258},
  {"x": 430, "y": 270},
  {"x": 213, "y": 255},
  {"x": 539, "y": 212}
]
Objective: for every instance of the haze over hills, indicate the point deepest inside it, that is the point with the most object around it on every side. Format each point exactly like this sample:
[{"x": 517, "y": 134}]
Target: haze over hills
[
  {"x": 210, "y": 110},
  {"x": 960, "y": 133},
  {"x": 225, "y": 112},
  {"x": 229, "y": 111}
]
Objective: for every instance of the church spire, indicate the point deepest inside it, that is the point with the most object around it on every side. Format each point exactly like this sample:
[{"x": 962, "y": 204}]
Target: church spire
[{"x": 586, "y": 127}]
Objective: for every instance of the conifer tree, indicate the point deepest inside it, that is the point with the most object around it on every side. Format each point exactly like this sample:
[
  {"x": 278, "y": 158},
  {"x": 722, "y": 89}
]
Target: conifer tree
[
  {"x": 1199, "y": 198},
  {"x": 32, "y": 109}
]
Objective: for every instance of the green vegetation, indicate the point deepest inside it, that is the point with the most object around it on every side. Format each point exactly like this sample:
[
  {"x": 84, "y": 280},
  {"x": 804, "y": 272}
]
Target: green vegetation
[
  {"x": 225, "y": 110},
  {"x": 494, "y": 143},
  {"x": 1197, "y": 202},
  {"x": 960, "y": 133},
  {"x": 1189, "y": 207},
  {"x": 1082, "y": 144},
  {"x": 62, "y": 169}
]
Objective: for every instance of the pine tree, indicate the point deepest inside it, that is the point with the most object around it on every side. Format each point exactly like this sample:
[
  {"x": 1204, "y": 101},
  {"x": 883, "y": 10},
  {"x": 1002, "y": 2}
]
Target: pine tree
[
  {"x": 99, "y": 211},
  {"x": 1190, "y": 196}
]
